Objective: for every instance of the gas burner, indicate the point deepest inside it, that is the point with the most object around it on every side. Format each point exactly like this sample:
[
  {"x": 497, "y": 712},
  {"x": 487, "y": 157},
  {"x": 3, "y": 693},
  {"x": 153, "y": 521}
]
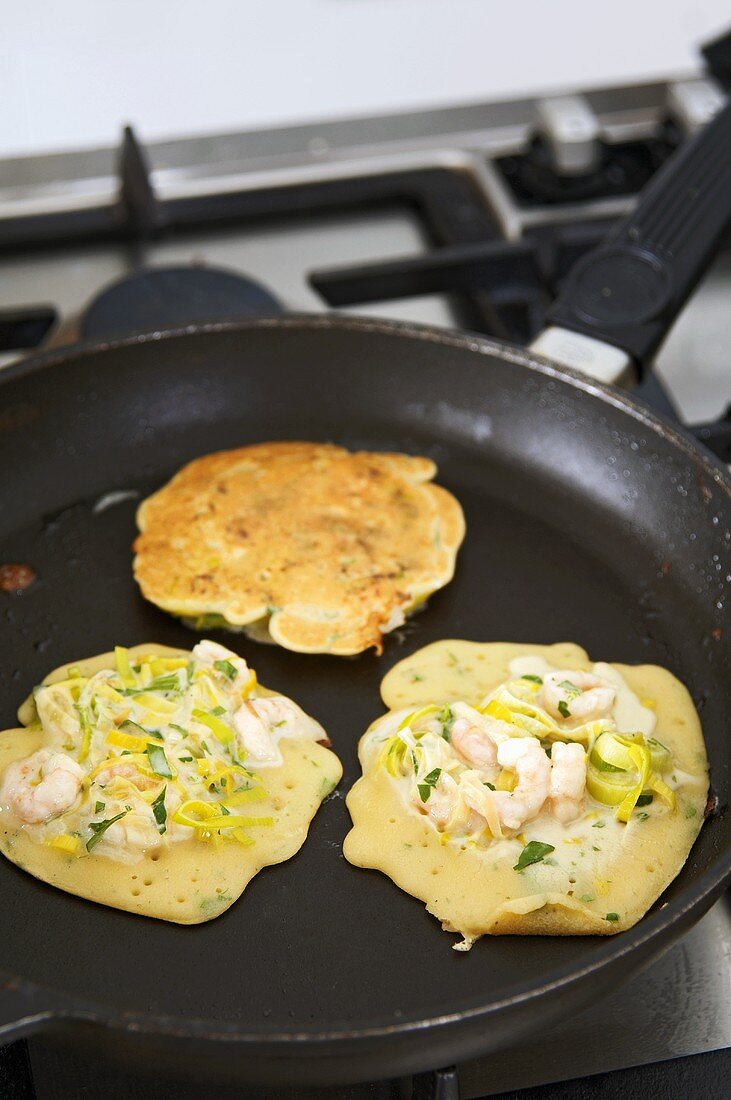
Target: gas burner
[
  {"x": 623, "y": 170},
  {"x": 168, "y": 297}
]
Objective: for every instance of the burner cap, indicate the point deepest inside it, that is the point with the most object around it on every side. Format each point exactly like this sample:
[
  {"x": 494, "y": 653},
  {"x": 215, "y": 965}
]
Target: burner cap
[{"x": 170, "y": 297}]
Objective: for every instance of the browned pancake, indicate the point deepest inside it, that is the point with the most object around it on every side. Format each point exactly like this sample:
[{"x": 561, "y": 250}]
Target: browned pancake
[{"x": 318, "y": 549}]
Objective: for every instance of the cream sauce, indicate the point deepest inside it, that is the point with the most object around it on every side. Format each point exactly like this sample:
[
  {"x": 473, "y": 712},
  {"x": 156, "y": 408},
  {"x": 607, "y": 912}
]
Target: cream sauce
[
  {"x": 192, "y": 880},
  {"x": 599, "y": 866}
]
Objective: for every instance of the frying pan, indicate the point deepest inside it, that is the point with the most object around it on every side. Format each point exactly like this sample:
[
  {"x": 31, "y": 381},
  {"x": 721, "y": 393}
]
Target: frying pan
[{"x": 588, "y": 519}]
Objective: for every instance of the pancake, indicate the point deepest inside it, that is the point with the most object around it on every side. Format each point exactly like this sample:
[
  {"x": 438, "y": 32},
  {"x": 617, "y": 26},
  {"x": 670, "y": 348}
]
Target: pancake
[
  {"x": 307, "y": 545},
  {"x": 171, "y": 778},
  {"x": 473, "y": 798}
]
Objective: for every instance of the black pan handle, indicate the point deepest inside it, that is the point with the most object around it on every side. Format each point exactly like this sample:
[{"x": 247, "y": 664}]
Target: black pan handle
[{"x": 628, "y": 291}]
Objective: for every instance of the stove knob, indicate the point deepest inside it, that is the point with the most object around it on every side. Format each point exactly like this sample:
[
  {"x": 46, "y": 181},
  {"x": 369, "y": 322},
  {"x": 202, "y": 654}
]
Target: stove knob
[
  {"x": 693, "y": 103},
  {"x": 570, "y": 130}
]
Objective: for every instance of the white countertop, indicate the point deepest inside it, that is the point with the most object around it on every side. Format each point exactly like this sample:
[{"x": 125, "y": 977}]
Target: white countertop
[{"x": 71, "y": 73}]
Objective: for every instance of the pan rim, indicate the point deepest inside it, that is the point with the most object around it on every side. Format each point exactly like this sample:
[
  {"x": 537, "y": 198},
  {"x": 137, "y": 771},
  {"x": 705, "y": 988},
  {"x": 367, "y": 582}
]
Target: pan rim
[
  {"x": 464, "y": 340},
  {"x": 59, "y": 1006}
]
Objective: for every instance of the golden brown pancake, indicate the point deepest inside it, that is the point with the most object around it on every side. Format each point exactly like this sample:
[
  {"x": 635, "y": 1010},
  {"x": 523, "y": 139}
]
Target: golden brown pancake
[
  {"x": 597, "y": 872},
  {"x": 173, "y": 816},
  {"x": 305, "y": 544}
]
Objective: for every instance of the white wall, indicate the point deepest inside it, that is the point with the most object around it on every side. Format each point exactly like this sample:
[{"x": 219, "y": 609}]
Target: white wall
[{"x": 71, "y": 71}]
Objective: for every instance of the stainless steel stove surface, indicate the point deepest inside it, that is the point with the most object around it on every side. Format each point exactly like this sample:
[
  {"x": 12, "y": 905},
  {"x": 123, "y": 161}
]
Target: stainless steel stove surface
[{"x": 461, "y": 217}]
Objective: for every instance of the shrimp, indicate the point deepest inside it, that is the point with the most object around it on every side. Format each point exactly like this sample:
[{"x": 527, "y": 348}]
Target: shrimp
[
  {"x": 568, "y": 780},
  {"x": 473, "y": 744},
  {"x": 442, "y": 800},
  {"x": 42, "y": 786},
  {"x": 526, "y": 757},
  {"x": 579, "y": 696},
  {"x": 129, "y": 837},
  {"x": 126, "y": 771},
  {"x": 209, "y": 652},
  {"x": 259, "y": 723}
]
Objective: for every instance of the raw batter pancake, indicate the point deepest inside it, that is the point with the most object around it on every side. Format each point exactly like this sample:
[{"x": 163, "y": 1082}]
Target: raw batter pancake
[
  {"x": 159, "y": 781},
  {"x": 305, "y": 544},
  {"x": 523, "y": 789}
]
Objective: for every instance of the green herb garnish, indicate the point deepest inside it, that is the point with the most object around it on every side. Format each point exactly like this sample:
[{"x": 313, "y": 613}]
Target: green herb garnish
[
  {"x": 611, "y": 916},
  {"x": 100, "y": 806},
  {"x": 563, "y": 709},
  {"x": 534, "y": 852},
  {"x": 446, "y": 717},
  {"x": 490, "y": 785},
  {"x": 598, "y": 824},
  {"x": 533, "y": 679},
  {"x": 690, "y": 811},
  {"x": 160, "y": 811},
  {"x": 99, "y": 828},
  {"x": 644, "y": 800},
  {"x": 569, "y": 688},
  {"x": 159, "y": 761},
  {"x": 586, "y": 898},
  {"x": 226, "y": 668},
  {"x": 429, "y": 781},
  {"x": 218, "y": 711},
  {"x": 642, "y": 816},
  {"x": 185, "y": 759}
]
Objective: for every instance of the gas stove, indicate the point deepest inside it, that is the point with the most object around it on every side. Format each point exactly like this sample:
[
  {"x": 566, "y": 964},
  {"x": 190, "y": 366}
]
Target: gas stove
[{"x": 465, "y": 217}]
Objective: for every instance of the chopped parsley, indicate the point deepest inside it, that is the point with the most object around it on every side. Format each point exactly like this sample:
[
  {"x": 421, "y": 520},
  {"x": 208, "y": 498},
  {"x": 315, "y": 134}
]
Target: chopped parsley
[
  {"x": 428, "y": 782},
  {"x": 642, "y": 816},
  {"x": 160, "y": 811},
  {"x": 490, "y": 785},
  {"x": 598, "y": 824},
  {"x": 99, "y": 828},
  {"x": 218, "y": 711},
  {"x": 100, "y": 806},
  {"x": 690, "y": 811},
  {"x": 534, "y": 852},
  {"x": 416, "y": 678},
  {"x": 446, "y": 718},
  {"x": 563, "y": 709},
  {"x": 226, "y": 668},
  {"x": 611, "y": 916},
  {"x": 185, "y": 759},
  {"x": 644, "y": 800},
  {"x": 533, "y": 679},
  {"x": 586, "y": 898}
]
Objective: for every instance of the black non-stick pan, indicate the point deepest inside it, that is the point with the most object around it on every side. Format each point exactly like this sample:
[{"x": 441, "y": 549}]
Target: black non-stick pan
[{"x": 588, "y": 519}]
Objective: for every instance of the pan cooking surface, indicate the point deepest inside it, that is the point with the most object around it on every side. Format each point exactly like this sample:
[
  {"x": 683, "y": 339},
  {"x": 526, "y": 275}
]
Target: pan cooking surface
[{"x": 563, "y": 543}]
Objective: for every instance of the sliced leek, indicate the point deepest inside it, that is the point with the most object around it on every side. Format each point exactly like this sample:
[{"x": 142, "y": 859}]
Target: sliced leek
[{"x": 219, "y": 729}]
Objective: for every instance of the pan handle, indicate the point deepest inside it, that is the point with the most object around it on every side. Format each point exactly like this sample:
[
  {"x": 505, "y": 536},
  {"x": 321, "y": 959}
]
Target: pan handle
[{"x": 620, "y": 300}]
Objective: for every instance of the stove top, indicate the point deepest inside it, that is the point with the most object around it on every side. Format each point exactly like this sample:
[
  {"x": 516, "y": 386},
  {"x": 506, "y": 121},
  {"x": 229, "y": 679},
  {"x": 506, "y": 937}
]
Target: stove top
[{"x": 466, "y": 217}]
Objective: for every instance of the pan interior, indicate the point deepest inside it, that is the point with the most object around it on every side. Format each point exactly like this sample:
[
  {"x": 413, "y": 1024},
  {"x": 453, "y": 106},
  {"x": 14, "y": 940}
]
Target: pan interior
[{"x": 583, "y": 524}]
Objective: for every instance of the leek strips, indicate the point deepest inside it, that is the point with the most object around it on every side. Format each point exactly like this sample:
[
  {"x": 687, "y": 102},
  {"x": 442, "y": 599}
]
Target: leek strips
[
  {"x": 219, "y": 729},
  {"x": 124, "y": 669},
  {"x": 86, "y": 732},
  {"x": 65, "y": 843},
  {"x": 159, "y": 761},
  {"x": 127, "y": 741},
  {"x": 204, "y": 818},
  {"x": 392, "y": 756}
]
